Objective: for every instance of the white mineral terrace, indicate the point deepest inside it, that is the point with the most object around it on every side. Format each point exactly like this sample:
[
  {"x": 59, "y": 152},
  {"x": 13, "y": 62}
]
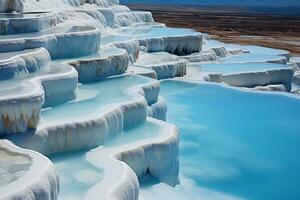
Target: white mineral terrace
[
  {"x": 26, "y": 174},
  {"x": 79, "y": 83}
]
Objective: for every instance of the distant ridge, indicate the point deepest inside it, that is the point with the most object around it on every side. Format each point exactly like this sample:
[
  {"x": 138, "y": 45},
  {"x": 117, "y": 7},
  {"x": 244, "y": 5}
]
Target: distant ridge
[
  {"x": 270, "y": 10},
  {"x": 273, "y": 3}
]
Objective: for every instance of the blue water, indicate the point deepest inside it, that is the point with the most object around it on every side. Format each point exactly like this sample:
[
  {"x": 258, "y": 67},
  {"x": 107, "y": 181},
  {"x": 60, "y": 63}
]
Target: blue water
[
  {"x": 146, "y": 32},
  {"x": 95, "y": 98},
  {"x": 114, "y": 38},
  {"x": 250, "y": 58},
  {"x": 243, "y": 144},
  {"x": 264, "y": 50},
  {"x": 77, "y": 175},
  {"x": 80, "y": 171},
  {"x": 236, "y": 67}
]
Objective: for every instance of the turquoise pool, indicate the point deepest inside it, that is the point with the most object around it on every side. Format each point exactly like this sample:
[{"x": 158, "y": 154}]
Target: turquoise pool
[
  {"x": 89, "y": 173},
  {"x": 95, "y": 98},
  {"x": 265, "y": 50},
  {"x": 253, "y": 58},
  {"x": 228, "y": 68},
  {"x": 77, "y": 175},
  {"x": 234, "y": 144},
  {"x": 149, "y": 32},
  {"x": 114, "y": 38}
]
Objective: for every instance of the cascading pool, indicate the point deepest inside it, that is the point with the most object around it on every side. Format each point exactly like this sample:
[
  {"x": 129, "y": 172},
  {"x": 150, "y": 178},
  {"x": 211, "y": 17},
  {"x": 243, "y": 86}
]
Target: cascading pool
[
  {"x": 234, "y": 144},
  {"x": 77, "y": 175},
  {"x": 153, "y": 31},
  {"x": 95, "y": 98},
  {"x": 253, "y": 58},
  {"x": 103, "y": 137},
  {"x": 88, "y": 173},
  {"x": 227, "y": 68}
]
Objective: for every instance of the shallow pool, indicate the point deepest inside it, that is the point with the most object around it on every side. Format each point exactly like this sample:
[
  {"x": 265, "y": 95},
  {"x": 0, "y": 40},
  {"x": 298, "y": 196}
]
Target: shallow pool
[
  {"x": 234, "y": 144},
  {"x": 265, "y": 50},
  {"x": 250, "y": 58},
  {"x": 89, "y": 173},
  {"x": 226, "y": 68},
  {"x": 148, "y": 32},
  {"x": 95, "y": 98},
  {"x": 107, "y": 39},
  {"x": 77, "y": 175}
]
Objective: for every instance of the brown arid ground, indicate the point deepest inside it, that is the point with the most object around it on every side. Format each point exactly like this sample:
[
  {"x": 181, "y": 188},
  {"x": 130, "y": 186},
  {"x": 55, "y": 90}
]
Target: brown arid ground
[{"x": 233, "y": 25}]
